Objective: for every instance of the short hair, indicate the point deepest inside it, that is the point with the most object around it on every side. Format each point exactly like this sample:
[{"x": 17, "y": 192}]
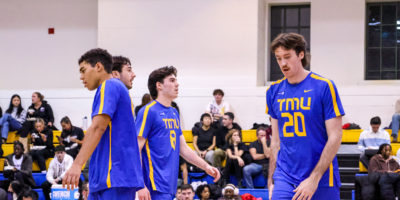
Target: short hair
[
  {"x": 59, "y": 148},
  {"x": 118, "y": 62},
  {"x": 85, "y": 186},
  {"x": 218, "y": 91},
  {"x": 18, "y": 143},
  {"x": 65, "y": 120},
  {"x": 382, "y": 146},
  {"x": 230, "y": 115},
  {"x": 96, "y": 55},
  {"x": 261, "y": 128},
  {"x": 30, "y": 193},
  {"x": 291, "y": 41},
  {"x": 204, "y": 115},
  {"x": 200, "y": 189},
  {"x": 375, "y": 121},
  {"x": 158, "y": 75},
  {"x": 186, "y": 186},
  {"x": 40, "y": 95}
]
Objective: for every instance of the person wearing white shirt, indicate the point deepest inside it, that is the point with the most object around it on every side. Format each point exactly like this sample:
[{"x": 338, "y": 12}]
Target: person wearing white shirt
[
  {"x": 218, "y": 107},
  {"x": 58, "y": 166}
]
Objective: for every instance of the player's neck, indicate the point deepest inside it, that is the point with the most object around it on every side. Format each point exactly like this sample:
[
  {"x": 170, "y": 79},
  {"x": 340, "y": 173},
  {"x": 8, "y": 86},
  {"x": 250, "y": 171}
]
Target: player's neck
[
  {"x": 164, "y": 101},
  {"x": 299, "y": 77},
  {"x": 104, "y": 77}
]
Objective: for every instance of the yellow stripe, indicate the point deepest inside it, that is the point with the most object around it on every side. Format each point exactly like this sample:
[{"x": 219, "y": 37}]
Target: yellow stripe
[
  {"x": 109, "y": 163},
  {"x": 333, "y": 93},
  {"x": 331, "y": 175},
  {"x": 133, "y": 110},
  {"x": 146, "y": 111},
  {"x": 276, "y": 82},
  {"x": 151, "y": 173},
  {"x": 103, "y": 86}
]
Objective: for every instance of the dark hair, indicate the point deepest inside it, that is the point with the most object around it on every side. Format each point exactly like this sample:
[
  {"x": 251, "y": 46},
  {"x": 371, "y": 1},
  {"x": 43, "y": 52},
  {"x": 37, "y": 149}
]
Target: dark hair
[
  {"x": 230, "y": 115},
  {"x": 382, "y": 146},
  {"x": 186, "y": 186},
  {"x": 146, "y": 98},
  {"x": 204, "y": 115},
  {"x": 59, "y": 148},
  {"x": 96, "y": 55},
  {"x": 158, "y": 75},
  {"x": 11, "y": 106},
  {"x": 30, "y": 193},
  {"x": 200, "y": 189},
  {"x": 40, "y": 96},
  {"x": 261, "y": 128},
  {"x": 65, "y": 120},
  {"x": 16, "y": 142},
  {"x": 178, "y": 188},
  {"x": 17, "y": 187},
  {"x": 218, "y": 91},
  {"x": 85, "y": 186},
  {"x": 118, "y": 61},
  {"x": 375, "y": 121},
  {"x": 292, "y": 41}
]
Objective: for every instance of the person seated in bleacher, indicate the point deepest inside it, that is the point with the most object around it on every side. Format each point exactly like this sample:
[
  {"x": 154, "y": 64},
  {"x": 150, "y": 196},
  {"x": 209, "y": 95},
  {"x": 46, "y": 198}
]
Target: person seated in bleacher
[
  {"x": 29, "y": 195},
  {"x": 222, "y": 131},
  {"x": 204, "y": 138},
  {"x": 371, "y": 139},
  {"x": 230, "y": 192},
  {"x": 57, "y": 168},
  {"x": 146, "y": 98},
  {"x": 18, "y": 166},
  {"x": 218, "y": 107},
  {"x": 13, "y": 118},
  {"x": 17, "y": 188},
  {"x": 178, "y": 194},
  {"x": 203, "y": 192},
  {"x": 234, "y": 163},
  {"x": 38, "y": 109},
  {"x": 85, "y": 191},
  {"x": 187, "y": 192},
  {"x": 42, "y": 144},
  {"x": 71, "y": 137},
  {"x": 396, "y": 120},
  {"x": 260, "y": 152}
]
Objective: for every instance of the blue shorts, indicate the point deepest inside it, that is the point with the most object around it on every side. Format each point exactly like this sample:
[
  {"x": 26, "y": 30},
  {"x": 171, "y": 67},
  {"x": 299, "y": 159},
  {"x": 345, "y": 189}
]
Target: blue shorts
[
  {"x": 160, "y": 196},
  {"x": 284, "y": 190},
  {"x": 117, "y": 193}
]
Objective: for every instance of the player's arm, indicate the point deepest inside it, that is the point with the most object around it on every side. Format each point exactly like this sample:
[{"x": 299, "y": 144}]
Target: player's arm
[
  {"x": 189, "y": 155},
  {"x": 275, "y": 145},
  {"x": 92, "y": 138}
]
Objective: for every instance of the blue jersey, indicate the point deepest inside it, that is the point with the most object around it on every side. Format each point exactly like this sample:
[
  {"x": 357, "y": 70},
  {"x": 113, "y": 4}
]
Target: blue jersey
[
  {"x": 116, "y": 160},
  {"x": 301, "y": 110},
  {"x": 160, "y": 125}
]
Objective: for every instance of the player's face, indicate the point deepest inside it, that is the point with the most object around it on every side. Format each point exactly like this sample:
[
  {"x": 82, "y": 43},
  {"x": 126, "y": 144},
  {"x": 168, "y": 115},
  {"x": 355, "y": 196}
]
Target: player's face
[
  {"x": 39, "y": 127},
  {"x": 261, "y": 134},
  {"x": 375, "y": 127},
  {"x": 205, "y": 194},
  {"x": 16, "y": 101},
  {"x": 289, "y": 61},
  {"x": 169, "y": 87},
  {"x": 187, "y": 194},
  {"x": 65, "y": 126},
  {"x": 60, "y": 156},
  {"x": 89, "y": 75},
  {"x": 127, "y": 75}
]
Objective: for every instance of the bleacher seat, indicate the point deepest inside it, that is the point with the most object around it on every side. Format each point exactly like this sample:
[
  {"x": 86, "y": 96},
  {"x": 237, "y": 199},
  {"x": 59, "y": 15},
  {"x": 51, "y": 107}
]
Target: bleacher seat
[
  {"x": 40, "y": 192},
  {"x": 39, "y": 178},
  {"x": 12, "y": 136}
]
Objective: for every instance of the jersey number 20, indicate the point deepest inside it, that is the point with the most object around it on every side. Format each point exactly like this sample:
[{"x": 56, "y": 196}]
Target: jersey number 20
[{"x": 295, "y": 120}]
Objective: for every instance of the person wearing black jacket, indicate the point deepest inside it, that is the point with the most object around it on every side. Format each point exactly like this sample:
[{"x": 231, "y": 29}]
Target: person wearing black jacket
[
  {"x": 18, "y": 166},
  {"x": 38, "y": 109},
  {"x": 71, "y": 137},
  {"x": 42, "y": 140},
  {"x": 222, "y": 144}
]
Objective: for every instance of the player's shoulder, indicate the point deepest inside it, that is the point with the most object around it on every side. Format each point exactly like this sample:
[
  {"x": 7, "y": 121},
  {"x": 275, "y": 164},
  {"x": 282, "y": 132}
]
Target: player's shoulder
[
  {"x": 114, "y": 82},
  {"x": 319, "y": 80},
  {"x": 148, "y": 108},
  {"x": 274, "y": 85}
]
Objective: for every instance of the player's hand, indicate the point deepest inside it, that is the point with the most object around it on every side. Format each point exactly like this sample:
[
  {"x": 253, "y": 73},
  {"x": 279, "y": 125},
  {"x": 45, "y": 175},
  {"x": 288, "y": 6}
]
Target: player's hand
[
  {"x": 212, "y": 171},
  {"x": 306, "y": 189},
  {"x": 270, "y": 189},
  {"x": 71, "y": 178},
  {"x": 144, "y": 194},
  {"x": 240, "y": 161}
]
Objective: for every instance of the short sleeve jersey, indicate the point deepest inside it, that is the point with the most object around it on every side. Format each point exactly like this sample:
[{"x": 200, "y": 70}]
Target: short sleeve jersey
[
  {"x": 116, "y": 160},
  {"x": 160, "y": 126},
  {"x": 301, "y": 110}
]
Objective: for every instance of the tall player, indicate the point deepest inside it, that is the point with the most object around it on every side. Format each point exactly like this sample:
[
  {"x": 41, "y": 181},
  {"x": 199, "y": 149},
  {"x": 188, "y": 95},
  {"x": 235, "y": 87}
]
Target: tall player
[
  {"x": 161, "y": 140},
  {"x": 115, "y": 171},
  {"x": 306, "y": 123}
]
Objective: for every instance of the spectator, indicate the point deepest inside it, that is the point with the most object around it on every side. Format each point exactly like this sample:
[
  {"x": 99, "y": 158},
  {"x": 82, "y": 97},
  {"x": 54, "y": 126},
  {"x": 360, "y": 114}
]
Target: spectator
[
  {"x": 42, "y": 140},
  {"x": 183, "y": 170},
  {"x": 218, "y": 107},
  {"x": 227, "y": 125},
  {"x": 146, "y": 98},
  {"x": 203, "y": 192},
  {"x": 260, "y": 152},
  {"x": 85, "y": 190},
  {"x": 71, "y": 137},
  {"x": 38, "y": 109},
  {"x": 29, "y": 195},
  {"x": 58, "y": 166},
  {"x": 178, "y": 195},
  {"x": 204, "y": 138},
  {"x": 371, "y": 139},
  {"x": 396, "y": 120},
  {"x": 234, "y": 163},
  {"x": 17, "y": 189},
  {"x": 187, "y": 192},
  {"x": 18, "y": 166},
  {"x": 230, "y": 192},
  {"x": 13, "y": 118},
  {"x": 122, "y": 69}
]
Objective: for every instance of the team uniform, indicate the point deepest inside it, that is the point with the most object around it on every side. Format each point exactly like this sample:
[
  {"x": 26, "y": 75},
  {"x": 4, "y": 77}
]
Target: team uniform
[
  {"x": 160, "y": 125},
  {"x": 301, "y": 110},
  {"x": 115, "y": 171}
]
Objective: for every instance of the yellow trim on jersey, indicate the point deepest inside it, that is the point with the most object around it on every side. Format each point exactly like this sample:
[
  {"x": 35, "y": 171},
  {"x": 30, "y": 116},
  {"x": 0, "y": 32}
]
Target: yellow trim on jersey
[
  {"x": 333, "y": 93},
  {"x": 151, "y": 171},
  {"x": 103, "y": 86},
  {"x": 276, "y": 82},
  {"x": 146, "y": 111},
  {"x": 133, "y": 110},
  {"x": 109, "y": 163},
  {"x": 331, "y": 175}
]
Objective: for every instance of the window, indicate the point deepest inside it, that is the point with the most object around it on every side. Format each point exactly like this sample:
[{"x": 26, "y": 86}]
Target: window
[
  {"x": 382, "y": 41},
  {"x": 286, "y": 19}
]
